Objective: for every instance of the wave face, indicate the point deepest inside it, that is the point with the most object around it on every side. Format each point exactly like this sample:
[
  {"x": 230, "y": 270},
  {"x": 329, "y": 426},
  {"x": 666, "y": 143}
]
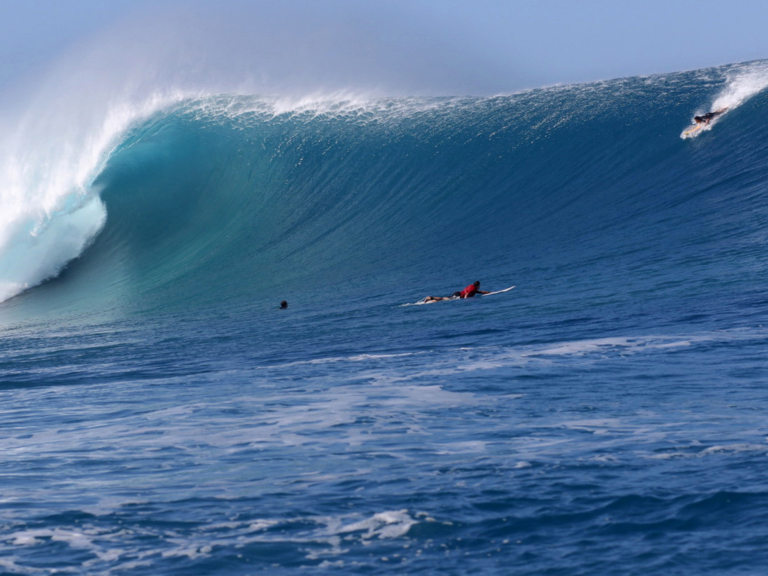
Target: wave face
[{"x": 227, "y": 197}]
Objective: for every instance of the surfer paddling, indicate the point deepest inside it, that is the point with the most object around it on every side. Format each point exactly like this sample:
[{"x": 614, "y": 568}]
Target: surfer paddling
[
  {"x": 709, "y": 116},
  {"x": 468, "y": 292}
]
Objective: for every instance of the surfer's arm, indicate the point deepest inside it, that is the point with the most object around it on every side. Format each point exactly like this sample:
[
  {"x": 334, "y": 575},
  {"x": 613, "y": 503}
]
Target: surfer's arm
[{"x": 482, "y": 292}]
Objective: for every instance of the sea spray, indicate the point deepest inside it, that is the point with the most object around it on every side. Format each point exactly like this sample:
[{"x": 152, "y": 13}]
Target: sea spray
[
  {"x": 741, "y": 84},
  {"x": 51, "y": 211}
]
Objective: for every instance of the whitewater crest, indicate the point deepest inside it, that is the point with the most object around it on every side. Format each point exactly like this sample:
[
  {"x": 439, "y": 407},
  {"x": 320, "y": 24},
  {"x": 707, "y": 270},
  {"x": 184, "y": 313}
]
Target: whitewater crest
[
  {"x": 50, "y": 209},
  {"x": 742, "y": 83}
]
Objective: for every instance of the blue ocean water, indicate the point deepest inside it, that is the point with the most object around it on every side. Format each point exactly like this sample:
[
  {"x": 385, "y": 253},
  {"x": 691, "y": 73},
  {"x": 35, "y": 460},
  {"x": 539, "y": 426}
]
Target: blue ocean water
[{"x": 607, "y": 416}]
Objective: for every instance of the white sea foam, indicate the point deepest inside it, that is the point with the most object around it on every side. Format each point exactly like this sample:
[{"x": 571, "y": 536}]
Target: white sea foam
[
  {"x": 114, "y": 549},
  {"x": 391, "y": 524},
  {"x": 12, "y": 567},
  {"x": 450, "y": 362},
  {"x": 27, "y": 537},
  {"x": 623, "y": 345},
  {"x": 718, "y": 450},
  {"x": 734, "y": 448},
  {"x": 743, "y": 83}
]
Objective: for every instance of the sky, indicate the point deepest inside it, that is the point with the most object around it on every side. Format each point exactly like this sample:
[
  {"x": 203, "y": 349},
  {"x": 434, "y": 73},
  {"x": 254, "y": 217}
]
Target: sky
[{"x": 433, "y": 46}]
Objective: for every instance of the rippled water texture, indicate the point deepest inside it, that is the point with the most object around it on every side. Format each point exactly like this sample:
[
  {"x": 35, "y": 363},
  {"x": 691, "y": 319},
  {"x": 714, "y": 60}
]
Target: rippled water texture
[{"x": 607, "y": 416}]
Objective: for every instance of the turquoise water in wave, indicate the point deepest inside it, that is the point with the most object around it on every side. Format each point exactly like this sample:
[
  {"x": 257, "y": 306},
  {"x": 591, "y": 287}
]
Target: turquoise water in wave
[{"x": 607, "y": 416}]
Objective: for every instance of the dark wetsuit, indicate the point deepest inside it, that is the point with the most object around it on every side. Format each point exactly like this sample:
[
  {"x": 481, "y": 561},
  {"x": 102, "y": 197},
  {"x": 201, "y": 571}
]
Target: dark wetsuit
[{"x": 708, "y": 116}]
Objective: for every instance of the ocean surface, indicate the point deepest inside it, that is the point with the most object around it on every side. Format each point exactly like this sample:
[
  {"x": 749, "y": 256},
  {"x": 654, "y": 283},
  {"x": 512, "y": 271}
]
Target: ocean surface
[{"x": 161, "y": 415}]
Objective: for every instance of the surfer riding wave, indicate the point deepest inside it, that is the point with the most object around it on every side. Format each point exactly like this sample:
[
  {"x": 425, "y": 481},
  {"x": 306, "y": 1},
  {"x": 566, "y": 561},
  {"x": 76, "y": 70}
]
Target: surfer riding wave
[
  {"x": 702, "y": 122},
  {"x": 709, "y": 116}
]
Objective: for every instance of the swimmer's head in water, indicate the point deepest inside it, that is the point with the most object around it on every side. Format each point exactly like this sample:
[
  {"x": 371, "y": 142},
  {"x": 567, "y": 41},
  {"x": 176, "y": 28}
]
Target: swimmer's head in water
[{"x": 283, "y": 305}]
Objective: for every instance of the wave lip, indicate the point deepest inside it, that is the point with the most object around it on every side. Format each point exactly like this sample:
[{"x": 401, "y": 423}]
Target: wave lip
[{"x": 51, "y": 210}]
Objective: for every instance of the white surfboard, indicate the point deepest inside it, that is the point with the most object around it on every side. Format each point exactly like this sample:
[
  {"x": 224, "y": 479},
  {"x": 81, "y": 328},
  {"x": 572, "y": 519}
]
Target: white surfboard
[
  {"x": 692, "y": 131},
  {"x": 497, "y": 291}
]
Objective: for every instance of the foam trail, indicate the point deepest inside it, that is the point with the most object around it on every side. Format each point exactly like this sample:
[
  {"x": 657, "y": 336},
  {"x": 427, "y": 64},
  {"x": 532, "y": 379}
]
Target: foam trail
[{"x": 741, "y": 87}]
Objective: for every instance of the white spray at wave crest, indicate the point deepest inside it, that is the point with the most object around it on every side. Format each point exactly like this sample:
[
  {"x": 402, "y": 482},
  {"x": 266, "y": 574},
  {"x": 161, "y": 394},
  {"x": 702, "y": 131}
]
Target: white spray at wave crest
[
  {"x": 49, "y": 211},
  {"x": 742, "y": 85}
]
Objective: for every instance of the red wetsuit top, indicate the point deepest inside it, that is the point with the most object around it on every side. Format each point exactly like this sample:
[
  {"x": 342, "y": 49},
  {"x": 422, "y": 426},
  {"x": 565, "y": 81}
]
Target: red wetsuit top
[{"x": 469, "y": 291}]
